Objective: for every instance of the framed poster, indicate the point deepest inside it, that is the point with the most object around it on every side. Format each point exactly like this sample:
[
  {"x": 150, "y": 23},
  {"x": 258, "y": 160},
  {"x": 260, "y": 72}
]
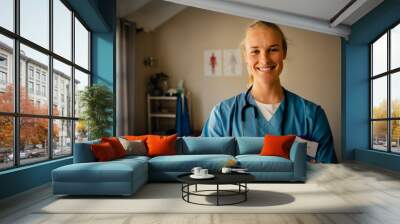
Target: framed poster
[
  {"x": 232, "y": 62},
  {"x": 212, "y": 63}
]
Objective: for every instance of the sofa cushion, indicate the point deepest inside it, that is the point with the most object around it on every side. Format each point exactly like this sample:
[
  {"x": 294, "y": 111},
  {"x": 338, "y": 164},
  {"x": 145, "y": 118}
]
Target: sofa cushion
[
  {"x": 257, "y": 163},
  {"x": 131, "y": 158},
  {"x": 249, "y": 145},
  {"x": 185, "y": 163},
  {"x": 111, "y": 171},
  {"x": 207, "y": 145}
]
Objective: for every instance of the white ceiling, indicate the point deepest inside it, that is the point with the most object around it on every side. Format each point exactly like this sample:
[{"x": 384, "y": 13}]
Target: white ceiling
[
  {"x": 321, "y": 9},
  {"x": 315, "y": 15}
]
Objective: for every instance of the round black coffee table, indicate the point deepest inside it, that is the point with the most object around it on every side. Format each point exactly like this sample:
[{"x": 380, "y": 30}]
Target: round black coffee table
[{"x": 238, "y": 179}]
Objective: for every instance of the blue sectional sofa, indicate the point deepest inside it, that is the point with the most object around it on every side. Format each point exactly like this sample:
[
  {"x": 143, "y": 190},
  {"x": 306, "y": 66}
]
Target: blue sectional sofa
[{"x": 125, "y": 176}]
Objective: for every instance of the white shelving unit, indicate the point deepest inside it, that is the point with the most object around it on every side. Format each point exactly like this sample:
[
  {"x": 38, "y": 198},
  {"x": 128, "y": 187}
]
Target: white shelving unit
[{"x": 161, "y": 113}]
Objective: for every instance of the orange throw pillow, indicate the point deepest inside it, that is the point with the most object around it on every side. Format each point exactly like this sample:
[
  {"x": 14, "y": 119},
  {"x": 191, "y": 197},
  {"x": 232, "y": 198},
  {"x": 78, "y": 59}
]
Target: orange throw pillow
[
  {"x": 103, "y": 152},
  {"x": 136, "y": 137},
  {"x": 277, "y": 145},
  {"x": 116, "y": 145},
  {"x": 161, "y": 145}
]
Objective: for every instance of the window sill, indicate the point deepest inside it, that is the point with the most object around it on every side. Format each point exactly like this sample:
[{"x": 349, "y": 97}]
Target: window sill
[
  {"x": 378, "y": 158},
  {"x": 26, "y": 167}
]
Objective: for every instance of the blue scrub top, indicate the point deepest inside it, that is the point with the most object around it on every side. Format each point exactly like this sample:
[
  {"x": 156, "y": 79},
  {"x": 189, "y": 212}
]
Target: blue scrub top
[{"x": 304, "y": 119}]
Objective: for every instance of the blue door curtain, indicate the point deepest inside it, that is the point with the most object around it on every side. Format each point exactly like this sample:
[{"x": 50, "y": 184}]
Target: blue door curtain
[{"x": 182, "y": 116}]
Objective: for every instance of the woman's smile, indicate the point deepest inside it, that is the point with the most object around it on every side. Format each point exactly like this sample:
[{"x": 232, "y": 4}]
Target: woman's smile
[{"x": 267, "y": 68}]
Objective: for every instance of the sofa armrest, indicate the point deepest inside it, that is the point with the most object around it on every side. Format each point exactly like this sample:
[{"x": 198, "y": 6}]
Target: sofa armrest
[
  {"x": 83, "y": 152},
  {"x": 298, "y": 157}
]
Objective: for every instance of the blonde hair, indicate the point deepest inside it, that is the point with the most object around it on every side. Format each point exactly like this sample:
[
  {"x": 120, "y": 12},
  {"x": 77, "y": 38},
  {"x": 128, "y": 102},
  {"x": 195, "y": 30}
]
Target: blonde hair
[{"x": 260, "y": 23}]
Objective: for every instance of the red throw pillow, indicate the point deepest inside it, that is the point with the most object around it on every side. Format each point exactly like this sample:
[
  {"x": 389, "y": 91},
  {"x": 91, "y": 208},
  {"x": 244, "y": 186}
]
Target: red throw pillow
[
  {"x": 277, "y": 145},
  {"x": 103, "y": 152},
  {"x": 161, "y": 145},
  {"x": 116, "y": 145}
]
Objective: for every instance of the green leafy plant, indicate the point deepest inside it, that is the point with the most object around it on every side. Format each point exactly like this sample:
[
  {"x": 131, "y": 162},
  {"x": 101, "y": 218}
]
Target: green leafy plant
[{"x": 96, "y": 102}]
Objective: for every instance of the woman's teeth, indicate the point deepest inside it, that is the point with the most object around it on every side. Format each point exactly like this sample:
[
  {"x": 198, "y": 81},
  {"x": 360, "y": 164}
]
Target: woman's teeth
[{"x": 266, "y": 69}]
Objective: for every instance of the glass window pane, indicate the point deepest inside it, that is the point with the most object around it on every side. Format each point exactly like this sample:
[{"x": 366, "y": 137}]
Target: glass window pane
[
  {"x": 81, "y": 131},
  {"x": 62, "y": 89},
  {"x": 6, "y": 142},
  {"x": 62, "y": 138},
  {"x": 395, "y": 94},
  {"x": 379, "y": 55},
  {"x": 379, "y": 135},
  {"x": 35, "y": 21},
  {"x": 62, "y": 29},
  {"x": 395, "y": 47},
  {"x": 81, "y": 81},
  {"x": 379, "y": 98},
  {"x": 33, "y": 139},
  {"x": 34, "y": 97},
  {"x": 81, "y": 45},
  {"x": 7, "y": 14},
  {"x": 6, "y": 74},
  {"x": 395, "y": 136}
]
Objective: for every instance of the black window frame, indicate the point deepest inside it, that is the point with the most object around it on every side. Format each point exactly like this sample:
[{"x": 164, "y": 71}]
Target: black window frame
[
  {"x": 16, "y": 115},
  {"x": 388, "y": 74}
]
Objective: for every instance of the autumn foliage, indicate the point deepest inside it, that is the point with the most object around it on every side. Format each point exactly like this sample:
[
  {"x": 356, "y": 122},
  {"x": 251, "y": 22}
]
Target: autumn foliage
[
  {"x": 33, "y": 131},
  {"x": 380, "y": 127}
]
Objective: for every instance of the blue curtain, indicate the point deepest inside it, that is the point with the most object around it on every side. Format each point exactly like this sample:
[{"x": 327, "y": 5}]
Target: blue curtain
[{"x": 182, "y": 117}]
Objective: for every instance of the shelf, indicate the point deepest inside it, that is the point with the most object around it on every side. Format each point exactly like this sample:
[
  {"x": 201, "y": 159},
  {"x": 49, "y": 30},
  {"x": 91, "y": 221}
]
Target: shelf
[
  {"x": 162, "y": 97},
  {"x": 163, "y": 115}
]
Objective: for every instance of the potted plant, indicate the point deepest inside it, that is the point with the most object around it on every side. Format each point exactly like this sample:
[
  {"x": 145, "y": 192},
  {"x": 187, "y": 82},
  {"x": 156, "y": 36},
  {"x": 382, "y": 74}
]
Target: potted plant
[{"x": 96, "y": 102}]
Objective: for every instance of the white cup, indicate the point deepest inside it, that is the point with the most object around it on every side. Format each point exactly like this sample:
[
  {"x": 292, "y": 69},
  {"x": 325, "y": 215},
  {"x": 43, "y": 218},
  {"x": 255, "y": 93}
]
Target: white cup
[
  {"x": 226, "y": 170},
  {"x": 196, "y": 170},
  {"x": 203, "y": 172}
]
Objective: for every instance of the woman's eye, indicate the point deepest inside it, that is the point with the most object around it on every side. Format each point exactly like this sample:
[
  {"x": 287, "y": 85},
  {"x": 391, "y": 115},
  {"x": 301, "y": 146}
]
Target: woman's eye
[{"x": 254, "y": 52}]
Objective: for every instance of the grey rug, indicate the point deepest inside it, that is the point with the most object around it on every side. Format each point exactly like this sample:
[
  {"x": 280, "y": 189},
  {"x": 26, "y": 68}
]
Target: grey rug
[{"x": 166, "y": 198}]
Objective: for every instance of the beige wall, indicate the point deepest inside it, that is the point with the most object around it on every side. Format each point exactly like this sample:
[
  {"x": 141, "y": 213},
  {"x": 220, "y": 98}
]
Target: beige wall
[{"x": 312, "y": 67}]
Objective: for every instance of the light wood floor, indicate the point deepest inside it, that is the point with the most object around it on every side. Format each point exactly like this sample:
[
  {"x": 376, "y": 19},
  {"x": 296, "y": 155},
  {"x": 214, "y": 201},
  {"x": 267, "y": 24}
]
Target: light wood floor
[{"x": 377, "y": 188}]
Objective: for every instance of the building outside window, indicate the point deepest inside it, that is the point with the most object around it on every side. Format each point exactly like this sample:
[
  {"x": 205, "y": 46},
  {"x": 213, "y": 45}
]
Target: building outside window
[
  {"x": 3, "y": 77},
  {"x": 3, "y": 61},
  {"x": 38, "y": 89},
  {"x": 3, "y": 72},
  {"x": 37, "y": 74},
  {"x": 44, "y": 77},
  {"x": 59, "y": 133},
  {"x": 43, "y": 90},
  {"x": 30, "y": 87},
  {"x": 385, "y": 91},
  {"x": 30, "y": 72}
]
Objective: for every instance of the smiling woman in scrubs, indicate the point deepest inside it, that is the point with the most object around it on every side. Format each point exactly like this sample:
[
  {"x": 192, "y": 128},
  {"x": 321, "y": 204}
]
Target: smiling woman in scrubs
[{"x": 267, "y": 108}]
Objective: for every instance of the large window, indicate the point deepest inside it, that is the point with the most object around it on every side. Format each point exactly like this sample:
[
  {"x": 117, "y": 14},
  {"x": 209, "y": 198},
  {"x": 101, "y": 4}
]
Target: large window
[
  {"x": 44, "y": 64},
  {"x": 385, "y": 91}
]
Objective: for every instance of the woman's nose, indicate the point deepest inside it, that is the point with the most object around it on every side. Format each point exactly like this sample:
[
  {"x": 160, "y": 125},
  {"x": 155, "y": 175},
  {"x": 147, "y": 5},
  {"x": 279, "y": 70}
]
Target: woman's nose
[{"x": 265, "y": 57}]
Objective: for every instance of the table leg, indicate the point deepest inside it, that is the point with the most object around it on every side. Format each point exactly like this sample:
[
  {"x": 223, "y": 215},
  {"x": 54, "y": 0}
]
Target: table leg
[
  {"x": 182, "y": 190},
  {"x": 245, "y": 191},
  {"x": 196, "y": 188},
  {"x": 188, "y": 189},
  {"x": 217, "y": 194}
]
